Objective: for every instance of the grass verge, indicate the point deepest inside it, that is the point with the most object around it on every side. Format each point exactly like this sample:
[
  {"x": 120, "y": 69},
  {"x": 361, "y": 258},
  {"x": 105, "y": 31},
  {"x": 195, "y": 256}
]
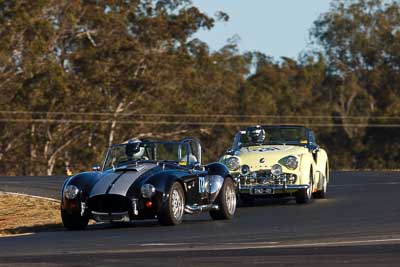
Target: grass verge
[{"x": 24, "y": 214}]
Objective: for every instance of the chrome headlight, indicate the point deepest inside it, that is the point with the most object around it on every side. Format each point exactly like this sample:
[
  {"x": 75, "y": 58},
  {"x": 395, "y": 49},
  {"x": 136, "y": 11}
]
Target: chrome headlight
[
  {"x": 276, "y": 170},
  {"x": 147, "y": 190},
  {"x": 290, "y": 162},
  {"x": 71, "y": 191},
  {"x": 245, "y": 170},
  {"x": 233, "y": 163}
]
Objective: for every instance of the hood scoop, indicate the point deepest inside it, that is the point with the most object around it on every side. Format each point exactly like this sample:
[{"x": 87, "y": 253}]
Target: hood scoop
[{"x": 136, "y": 168}]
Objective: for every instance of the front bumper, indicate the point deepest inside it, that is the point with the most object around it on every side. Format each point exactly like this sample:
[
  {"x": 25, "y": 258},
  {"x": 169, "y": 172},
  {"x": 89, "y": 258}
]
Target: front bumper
[
  {"x": 111, "y": 217},
  {"x": 275, "y": 189}
]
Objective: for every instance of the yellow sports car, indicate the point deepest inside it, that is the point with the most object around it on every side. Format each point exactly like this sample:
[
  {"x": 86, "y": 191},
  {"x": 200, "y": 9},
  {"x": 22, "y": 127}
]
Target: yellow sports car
[{"x": 278, "y": 161}]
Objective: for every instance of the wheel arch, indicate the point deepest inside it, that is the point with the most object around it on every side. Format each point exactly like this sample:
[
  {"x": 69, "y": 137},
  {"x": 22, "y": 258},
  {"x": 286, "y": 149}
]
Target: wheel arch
[{"x": 306, "y": 165}]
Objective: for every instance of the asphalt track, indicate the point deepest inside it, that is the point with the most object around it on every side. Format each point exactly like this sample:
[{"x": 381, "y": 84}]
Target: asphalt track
[{"x": 357, "y": 225}]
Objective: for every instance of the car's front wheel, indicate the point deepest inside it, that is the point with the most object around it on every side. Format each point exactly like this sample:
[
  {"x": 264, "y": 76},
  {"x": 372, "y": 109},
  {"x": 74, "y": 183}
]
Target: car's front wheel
[
  {"x": 322, "y": 193},
  {"x": 74, "y": 222},
  {"x": 226, "y": 202},
  {"x": 303, "y": 196},
  {"x": 172, "y": 211}
]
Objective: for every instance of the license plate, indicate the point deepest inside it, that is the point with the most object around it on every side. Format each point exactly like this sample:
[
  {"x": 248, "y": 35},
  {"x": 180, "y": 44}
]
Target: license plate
[{"x": 263, "y": 191}]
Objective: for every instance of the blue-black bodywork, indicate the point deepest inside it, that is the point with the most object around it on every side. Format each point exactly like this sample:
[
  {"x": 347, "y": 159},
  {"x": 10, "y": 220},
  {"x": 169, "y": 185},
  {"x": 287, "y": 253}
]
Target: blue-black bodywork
[{"x": 129, "y": 182}]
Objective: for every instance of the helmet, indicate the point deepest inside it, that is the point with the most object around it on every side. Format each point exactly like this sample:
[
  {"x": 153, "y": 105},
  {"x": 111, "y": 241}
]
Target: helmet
[
  {"x": 133, "y": 150},
  {"x": 256, "y": 134}
]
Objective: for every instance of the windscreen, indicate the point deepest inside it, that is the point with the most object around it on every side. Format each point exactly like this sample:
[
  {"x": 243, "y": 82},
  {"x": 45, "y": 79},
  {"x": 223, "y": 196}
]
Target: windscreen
[
  {"x": 273, "y": 136},
  {"x": 123, "y": 154}
]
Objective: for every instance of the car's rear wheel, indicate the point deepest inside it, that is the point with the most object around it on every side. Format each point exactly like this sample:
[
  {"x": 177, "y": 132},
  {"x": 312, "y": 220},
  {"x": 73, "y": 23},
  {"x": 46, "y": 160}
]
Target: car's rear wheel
[
  {"x": 303, "y": 196},
  {"x": 74, "y": 222},
  {"x": 173, "y": 209},
  {"x": 226, "y": 202}
]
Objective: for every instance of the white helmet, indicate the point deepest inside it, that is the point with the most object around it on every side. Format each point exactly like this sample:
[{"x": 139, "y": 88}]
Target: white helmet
[
  {"x": 256, "y": 134},
  {"x": 133, "y": 149}
]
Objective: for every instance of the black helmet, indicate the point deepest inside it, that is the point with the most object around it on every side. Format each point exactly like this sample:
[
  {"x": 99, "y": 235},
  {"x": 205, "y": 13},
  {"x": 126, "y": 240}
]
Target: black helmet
[{"x": 256, "y": 134}]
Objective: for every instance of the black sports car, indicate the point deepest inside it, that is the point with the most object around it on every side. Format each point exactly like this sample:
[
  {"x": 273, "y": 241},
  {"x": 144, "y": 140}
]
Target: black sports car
[{"x": 144, "y": 180}]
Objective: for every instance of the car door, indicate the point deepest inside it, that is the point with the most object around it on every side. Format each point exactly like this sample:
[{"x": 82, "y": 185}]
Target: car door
[{"x": 197, "y": 185}]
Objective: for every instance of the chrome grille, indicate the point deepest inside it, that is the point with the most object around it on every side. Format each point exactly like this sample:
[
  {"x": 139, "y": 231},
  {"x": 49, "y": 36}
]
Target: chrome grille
[{"x": 266, "y": 178}]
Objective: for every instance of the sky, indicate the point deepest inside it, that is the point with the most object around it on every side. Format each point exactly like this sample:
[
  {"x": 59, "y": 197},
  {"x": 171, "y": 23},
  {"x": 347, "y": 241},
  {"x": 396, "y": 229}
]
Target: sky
[{"x": 274, "y": 27}]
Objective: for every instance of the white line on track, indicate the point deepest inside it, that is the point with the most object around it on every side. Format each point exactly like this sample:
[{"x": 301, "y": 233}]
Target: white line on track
[
  {"x": 162, "y": 244},
  {"x": 262, "y": 245},
  {"x": 33, "y": 196},
  {"x": 16, "y": 235},
  {"x": 365, "y": 184},
  {"x": 199, "y": 247},
  {"x": 341, "y": 243}
]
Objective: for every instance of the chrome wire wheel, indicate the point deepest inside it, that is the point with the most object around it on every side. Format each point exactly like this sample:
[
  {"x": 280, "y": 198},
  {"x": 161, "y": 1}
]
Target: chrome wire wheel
[
  {"x": 310, "y": 185},
  {"x": 324, "y": 185},
  {"x": 230, "y": 199},
  {"x": 177, "y": 204},
  {"x": 226, "y": 201},
  {"x": 304, "y": 196},
  {"x": 309, "y": 190}
]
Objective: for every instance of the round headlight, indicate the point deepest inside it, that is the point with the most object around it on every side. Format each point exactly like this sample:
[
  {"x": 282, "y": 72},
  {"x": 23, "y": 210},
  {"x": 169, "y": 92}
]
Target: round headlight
[
  {"x": 147, "y": 190},
  {"x": 232, "y": 163},
  {"x": 71, "y": 191},
  {"x": 276, "y": 170},
  {"x": 245, "y": 170},
  {"x": 290, "y": 162}
]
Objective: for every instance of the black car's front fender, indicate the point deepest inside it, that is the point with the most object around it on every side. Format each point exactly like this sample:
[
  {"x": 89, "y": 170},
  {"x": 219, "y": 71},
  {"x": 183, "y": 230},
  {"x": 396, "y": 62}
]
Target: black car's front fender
[
  {"x": 84, "y": 182},
  {"x": 162, "y": 183},
  {"x": 217, "y": 174},
  {"x": 217, "y": 168}
]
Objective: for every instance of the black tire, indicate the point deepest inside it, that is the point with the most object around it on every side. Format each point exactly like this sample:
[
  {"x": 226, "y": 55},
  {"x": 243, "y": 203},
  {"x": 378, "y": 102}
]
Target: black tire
[
  {"x": 304, "y": 196},
  {"x": 74, "y": 222},
  {"x": 172, "y": 211},
  {"x": 321, "y": 194},
  {"x": 226, "y": 202},
  {"x": 246, "y": 200}
]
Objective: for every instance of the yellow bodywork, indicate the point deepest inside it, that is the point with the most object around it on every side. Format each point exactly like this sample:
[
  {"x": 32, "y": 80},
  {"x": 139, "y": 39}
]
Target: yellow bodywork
[{"x": 263, "y": 157}]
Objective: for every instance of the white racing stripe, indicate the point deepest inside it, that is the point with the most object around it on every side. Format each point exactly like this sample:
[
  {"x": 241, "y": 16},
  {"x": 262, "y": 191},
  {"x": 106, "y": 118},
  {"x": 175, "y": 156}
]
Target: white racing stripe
[{"x": 33, "y": 196}]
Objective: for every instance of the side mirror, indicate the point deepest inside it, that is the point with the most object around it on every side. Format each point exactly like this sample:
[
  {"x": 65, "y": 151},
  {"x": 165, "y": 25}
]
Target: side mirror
[
  {"x": 314, "y": 148},
  {"x": 197, "y": 165},
  {"x": 96, "y": 168}
]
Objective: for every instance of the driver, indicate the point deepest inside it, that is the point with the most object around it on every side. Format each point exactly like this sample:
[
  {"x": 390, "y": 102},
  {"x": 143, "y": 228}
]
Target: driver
[
  {"x": 256, "y": 134},
  {"x": 133, "y": 150}
]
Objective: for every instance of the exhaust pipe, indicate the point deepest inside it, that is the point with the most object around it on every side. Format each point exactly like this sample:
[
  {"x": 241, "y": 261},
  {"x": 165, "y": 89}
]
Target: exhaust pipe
[{"x": 198, "y": 209}]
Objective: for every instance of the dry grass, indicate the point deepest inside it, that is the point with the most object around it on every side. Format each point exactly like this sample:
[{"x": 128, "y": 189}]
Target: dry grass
[{"x": 23, "y": 214}]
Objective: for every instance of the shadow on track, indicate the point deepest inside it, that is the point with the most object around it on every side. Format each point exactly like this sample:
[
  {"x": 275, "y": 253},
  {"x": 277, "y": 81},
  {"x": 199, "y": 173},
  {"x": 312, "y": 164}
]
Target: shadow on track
[
  {"x": 259, "y": 202},
  {"x": 33, "y": 229}
]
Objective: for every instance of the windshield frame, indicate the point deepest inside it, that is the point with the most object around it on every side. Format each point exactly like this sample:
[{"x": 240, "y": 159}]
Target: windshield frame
[
  {"x": 188, "y": 142},
  {"x": 236, "y": 143}
]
